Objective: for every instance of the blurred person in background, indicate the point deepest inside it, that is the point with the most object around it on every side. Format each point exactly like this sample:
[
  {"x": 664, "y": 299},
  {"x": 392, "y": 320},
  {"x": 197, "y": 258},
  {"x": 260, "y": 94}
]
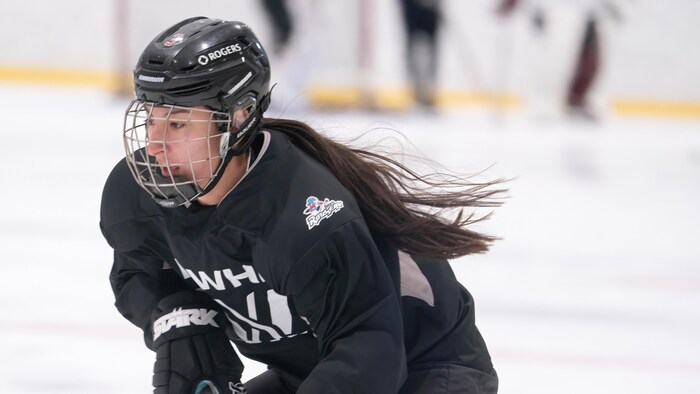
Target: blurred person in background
[
  {"x": 326, "y": 263},
  {"x": 281, "y": 21},
  {"x": 587, "y": 56},
  {"x": 421, "y": 21},
  {"x": 292, "y": 51},
  {"x": 585, "y": 70}
]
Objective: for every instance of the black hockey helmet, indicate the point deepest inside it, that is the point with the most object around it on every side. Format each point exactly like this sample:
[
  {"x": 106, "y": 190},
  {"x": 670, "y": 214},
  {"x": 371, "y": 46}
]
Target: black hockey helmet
[
  {"x": 213, "y": 70},
  {"x": 210, "y": 62}
]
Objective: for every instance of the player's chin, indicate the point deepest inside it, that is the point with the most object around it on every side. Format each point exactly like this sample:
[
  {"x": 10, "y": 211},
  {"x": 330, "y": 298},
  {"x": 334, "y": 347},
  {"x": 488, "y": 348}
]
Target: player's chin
[{"x": 201, "y": 181}]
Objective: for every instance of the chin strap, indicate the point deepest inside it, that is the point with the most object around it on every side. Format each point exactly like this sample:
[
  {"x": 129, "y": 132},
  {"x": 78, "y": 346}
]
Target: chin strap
[
  {"x": 242, "y": 140},
  {"x": 245, "y": 135}
]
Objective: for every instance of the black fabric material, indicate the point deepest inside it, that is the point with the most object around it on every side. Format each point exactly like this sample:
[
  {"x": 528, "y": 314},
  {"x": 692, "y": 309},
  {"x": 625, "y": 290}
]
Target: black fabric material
[
  {"x": 421, "y": 16},
  {"x": 268, "y": 382},
  {"x": 353, "y": 309},
  {"x": 450, "y": 379}
]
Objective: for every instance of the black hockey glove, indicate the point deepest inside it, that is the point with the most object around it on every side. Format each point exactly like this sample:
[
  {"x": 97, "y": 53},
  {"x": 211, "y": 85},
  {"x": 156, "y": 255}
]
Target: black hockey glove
[{"x": 193, "y": 354}]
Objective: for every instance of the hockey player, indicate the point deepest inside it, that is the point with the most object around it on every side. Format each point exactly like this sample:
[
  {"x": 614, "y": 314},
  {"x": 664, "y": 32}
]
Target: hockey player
[
  {"x": 421, "y": 21},
  {"x": 589, "y": 52},
  {"x": 311, "y": 257}
]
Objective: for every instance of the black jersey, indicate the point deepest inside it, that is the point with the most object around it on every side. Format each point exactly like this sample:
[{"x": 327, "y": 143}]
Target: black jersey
[{"x": 308, "y": 289}]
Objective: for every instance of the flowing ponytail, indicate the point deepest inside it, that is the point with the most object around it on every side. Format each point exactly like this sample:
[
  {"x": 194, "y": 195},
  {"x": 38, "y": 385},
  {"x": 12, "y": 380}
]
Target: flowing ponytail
[{"x": 397, "y": 202}]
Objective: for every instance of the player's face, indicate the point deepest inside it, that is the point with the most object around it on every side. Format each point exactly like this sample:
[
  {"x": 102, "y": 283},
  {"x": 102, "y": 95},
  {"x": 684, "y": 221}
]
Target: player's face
[{"x": 184, "y": 141}]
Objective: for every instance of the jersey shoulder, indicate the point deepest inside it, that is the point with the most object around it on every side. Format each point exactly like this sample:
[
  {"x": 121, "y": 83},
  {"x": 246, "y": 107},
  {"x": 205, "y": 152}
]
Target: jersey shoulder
[
  {"x": 125, "y": 209},
  {"x": 308, "y": 203}
]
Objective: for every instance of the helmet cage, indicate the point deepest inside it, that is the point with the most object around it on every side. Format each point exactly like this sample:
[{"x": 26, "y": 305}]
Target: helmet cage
[
  {"x": 178, "y": 152},
  {"x": 196, "y": 63}
]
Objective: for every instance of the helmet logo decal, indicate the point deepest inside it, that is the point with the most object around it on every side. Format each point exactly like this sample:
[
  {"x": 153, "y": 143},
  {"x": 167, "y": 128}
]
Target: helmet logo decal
[
  {"x": 317, "y": 210},
  {"x": 175, "y": 39},
  {"x": 219, "y": 53},
  {"x": 148, "y": 78},
  {"x": 252, "y": 122},
  {"x": 240, "y": 83}
]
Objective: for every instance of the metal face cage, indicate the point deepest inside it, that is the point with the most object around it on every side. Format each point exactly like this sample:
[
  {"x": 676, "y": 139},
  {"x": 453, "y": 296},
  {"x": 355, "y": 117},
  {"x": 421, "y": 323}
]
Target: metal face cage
[{"x": 175, "y": 153}]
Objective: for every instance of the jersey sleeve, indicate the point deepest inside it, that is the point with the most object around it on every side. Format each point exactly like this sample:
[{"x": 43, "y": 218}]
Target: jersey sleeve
[
  {"x": 139, "y": 276},
  {"x": 343, "y": 289},
  {"x": 139, "y": 282}
]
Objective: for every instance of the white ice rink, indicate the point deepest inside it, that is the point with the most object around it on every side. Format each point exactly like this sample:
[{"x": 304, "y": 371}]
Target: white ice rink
[{"x": 595, "y": 287}]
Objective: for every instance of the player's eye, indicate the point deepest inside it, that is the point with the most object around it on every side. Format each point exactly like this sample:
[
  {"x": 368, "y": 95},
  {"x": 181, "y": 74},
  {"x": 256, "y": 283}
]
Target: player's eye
[{"x": 177, "y": 125}]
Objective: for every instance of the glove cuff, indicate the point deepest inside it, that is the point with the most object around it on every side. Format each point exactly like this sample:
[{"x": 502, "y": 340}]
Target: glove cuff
[{"x": 184, "y": 314}]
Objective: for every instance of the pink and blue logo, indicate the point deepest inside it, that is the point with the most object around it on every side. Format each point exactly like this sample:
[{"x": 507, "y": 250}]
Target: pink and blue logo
[{"x": 317, "y": 210}]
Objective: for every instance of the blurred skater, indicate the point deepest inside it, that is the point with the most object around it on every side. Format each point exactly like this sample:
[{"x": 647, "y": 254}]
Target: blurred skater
[
  {"x": 281, "y": 22},
  {"x": 588, "y": 61},
  {"x": 588, "y": 58},
  {"x": 422, "y": 21}
]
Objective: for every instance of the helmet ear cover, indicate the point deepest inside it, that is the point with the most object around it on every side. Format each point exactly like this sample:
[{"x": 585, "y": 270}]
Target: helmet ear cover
[{"x": 245, "y": 132}]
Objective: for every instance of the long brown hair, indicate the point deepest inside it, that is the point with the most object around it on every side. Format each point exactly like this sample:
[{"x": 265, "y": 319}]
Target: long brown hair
[{"x": 397, "y": 202}]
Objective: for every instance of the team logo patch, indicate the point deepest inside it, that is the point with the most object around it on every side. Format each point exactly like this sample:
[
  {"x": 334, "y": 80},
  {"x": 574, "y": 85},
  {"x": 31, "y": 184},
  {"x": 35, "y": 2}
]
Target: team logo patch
[{"x": 317, "y": 210}]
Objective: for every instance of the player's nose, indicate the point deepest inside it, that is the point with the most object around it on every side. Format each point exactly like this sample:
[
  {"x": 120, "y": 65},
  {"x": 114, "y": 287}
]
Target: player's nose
[{"x": 156, "y": 138}]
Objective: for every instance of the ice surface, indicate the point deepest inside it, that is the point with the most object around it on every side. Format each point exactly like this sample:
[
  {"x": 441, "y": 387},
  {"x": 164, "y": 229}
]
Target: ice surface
[{"x": 595, "y": 287}]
